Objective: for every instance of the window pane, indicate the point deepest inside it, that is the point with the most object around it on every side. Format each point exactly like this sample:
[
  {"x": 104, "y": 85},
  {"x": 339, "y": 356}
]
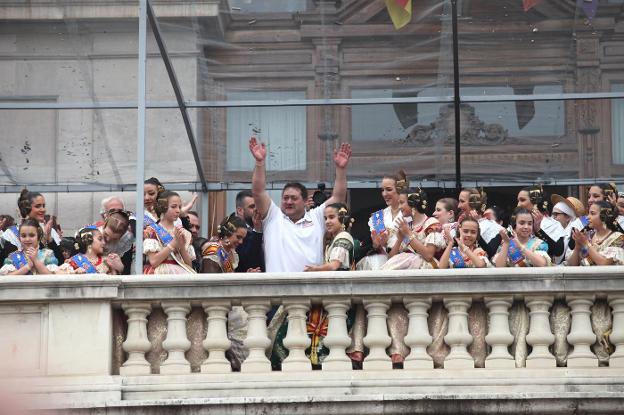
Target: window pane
[
  {"x": 283, "y": 129},
  {"x": 617, "y": 125}
]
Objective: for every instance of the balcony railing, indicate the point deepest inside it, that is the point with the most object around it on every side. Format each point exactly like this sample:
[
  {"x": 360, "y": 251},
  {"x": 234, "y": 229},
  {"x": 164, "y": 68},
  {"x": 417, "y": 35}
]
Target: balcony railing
[{"x": 492, "y": 340}]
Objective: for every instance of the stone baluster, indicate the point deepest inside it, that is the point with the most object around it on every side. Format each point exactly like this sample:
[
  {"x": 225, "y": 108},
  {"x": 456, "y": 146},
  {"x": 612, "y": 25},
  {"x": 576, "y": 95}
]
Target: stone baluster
[
  {"x": 499, "y": 336},
  {"x": 581, "y": 334},
  {"x": 216, "y": 342},
  {"x": 257, "y": 339},
  {"x": 418, "y": 337},
  {"x": 377, "y": 339},
  {"x": 176, "y": 343},
  {"x": 337, "y": 339},
  {"x": 540, "y": 336},
  {"x": 296, "y": 340},
  {"x": 458, "y": 336},
  {"x": 617, "y": 333},
  {"x": 136, "y": 344}
]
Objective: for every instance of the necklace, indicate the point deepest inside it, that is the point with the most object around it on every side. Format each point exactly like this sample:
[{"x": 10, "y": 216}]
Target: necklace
[
  {"x": 418, "y": 228},
  {"x": 94, "y": 260},
  {"x": 394, "y": 212},
  {"x": 597, "y": 241}
]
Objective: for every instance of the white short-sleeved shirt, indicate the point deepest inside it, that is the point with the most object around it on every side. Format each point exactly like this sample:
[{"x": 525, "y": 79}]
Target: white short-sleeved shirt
[{"x": 290, "y": 246}]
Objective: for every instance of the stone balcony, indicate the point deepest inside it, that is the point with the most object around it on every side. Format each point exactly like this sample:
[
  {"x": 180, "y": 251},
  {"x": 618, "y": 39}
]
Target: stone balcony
[{"x": 481, "y": 341}]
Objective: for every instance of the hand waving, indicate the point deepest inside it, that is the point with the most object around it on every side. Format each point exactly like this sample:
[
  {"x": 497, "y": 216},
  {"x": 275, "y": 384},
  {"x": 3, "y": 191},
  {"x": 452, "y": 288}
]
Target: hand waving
[
  {"x": 188, "y": 206},
  {"x": 342, "y": 155},
  {"x": 257, "y": 149}
]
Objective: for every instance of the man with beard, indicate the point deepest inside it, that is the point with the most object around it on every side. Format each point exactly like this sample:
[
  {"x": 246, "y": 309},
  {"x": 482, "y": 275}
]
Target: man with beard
[
  {"x": 196, "y": 241},
  {"x": 250, "y": 252}
]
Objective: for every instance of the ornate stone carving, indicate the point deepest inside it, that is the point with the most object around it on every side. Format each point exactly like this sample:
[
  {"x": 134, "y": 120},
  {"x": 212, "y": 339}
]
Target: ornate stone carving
[{"x": 473, "y": 130}]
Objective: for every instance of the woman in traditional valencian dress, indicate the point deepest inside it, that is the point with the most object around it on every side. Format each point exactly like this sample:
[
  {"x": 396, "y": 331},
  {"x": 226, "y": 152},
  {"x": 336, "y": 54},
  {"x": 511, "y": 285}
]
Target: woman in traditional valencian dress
[
  {"x": 90, "y": 259},
  {"x": 419, "y": 240},
  {"x": 167, "y": 246},
  {"x": 382, "y": 226},
  {"x": 219, "y": 254},
  {"x": 30, "y": 259},
  {"x": 465, "y": 252},
  {"x": 33, "y": 205},
  {"x": 606, "y": 246},
  {"x": 524, "y": 249}
]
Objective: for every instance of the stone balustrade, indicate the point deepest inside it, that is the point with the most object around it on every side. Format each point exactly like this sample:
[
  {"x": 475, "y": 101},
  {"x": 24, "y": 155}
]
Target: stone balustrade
[{"x": 544, "y": 340}]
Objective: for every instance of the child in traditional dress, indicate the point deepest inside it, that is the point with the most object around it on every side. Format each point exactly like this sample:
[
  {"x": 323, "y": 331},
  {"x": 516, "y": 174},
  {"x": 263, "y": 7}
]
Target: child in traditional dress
[
  {"x": 465, "y": 252},
  {"x": 339, "y": 242},
  {"x": 524, "y": 249},
  {"x": 89, "y": 243},
  {"x": 167, "y": 246},
  {"x": 473, "y": 202},
  {"x": 545, "y": 227},
  {"x": 30, "y": 259},
  {"x": 219, "y": 254},
  {"x": 32, "y": 205},
  {"x": 338, "y": 257},
  {"x": 606, "y": 246}
]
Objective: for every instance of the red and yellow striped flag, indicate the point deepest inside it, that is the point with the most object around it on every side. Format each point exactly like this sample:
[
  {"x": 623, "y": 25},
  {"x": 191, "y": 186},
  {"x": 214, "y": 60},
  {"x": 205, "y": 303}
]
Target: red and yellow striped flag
[
  {"x": 400, "y": 12},
  {"x": 529, "y": 4}
]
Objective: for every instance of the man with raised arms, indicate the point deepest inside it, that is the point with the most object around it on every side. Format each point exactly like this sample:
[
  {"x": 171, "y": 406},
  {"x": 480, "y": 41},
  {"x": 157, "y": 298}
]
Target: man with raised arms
[{"x": 293, "y": 237}]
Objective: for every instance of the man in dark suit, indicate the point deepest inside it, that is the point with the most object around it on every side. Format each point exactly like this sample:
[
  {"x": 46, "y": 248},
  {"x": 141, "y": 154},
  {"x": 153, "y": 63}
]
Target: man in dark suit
[{"x": 251, "y": 251}]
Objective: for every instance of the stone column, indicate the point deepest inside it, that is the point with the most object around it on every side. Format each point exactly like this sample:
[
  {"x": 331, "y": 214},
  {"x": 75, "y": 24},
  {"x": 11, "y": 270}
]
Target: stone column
[
  {"x": 136, "y": 344},
  {"x": 540, "y": 336},
  {"x": 617, "y": 333},
  {"x": 581, "y": 334},
  {"x": 377, "y": 339},
  {"x": 257, "y": 339},
  {"x": 458, "y": 337},
  {"x": 418, "y": 337},
  {"x": 296, "y": 340},
  {"x": 216, "y": 342},
  {"x": 499, "y": 337},
  {"x": 176, "y": 343},
  {"x": 337, "y": 339}
]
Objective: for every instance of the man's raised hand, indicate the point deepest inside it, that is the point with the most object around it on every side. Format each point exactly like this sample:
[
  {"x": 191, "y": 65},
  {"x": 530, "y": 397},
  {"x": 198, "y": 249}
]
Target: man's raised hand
[
  {"x": 257, "y": 149},
  {"x": 342, "y": 155}
]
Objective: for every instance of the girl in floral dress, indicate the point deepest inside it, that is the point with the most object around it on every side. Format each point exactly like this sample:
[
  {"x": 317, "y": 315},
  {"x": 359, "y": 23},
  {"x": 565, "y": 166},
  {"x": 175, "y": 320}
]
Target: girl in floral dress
[
  {"x": 167, "y": 246},
  {"x": 30, "y": 259}
]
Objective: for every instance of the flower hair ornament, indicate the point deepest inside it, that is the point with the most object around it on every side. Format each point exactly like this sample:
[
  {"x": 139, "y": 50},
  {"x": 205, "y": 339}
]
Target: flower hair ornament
[
  {"x": 401, "y": 184},
  {"x": 608, "y": 215},
  {"x": 536, "y": 195},
  {"x": 418, "y": 199},
  {"x": 345, "y": 219},
  {"x": 227, "y": 227},
  {"x": 477, "y": 201},
  {"x": 84, "y": 238}
]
